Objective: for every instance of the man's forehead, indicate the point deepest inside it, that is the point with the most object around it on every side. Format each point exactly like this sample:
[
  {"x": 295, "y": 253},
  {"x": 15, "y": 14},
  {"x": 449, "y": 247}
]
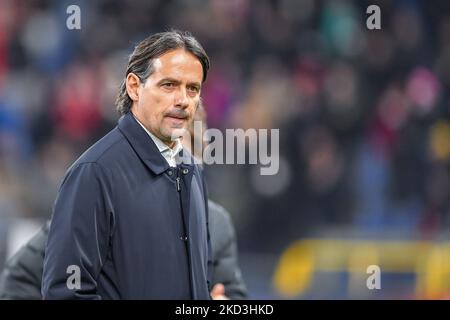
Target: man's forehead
[{"x": 180, "y": 62}]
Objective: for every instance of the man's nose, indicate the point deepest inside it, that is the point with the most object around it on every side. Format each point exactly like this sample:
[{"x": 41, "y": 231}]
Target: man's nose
[{"x": 181, "y": 98}]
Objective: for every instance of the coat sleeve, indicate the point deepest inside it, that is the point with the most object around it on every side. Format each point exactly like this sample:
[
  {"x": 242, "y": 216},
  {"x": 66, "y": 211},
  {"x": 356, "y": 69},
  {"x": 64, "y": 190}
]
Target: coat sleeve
[
  {"x": 225, "y": 254},
  {"x": 21, "y": 279},
  {"x": 79, "y": 234}
]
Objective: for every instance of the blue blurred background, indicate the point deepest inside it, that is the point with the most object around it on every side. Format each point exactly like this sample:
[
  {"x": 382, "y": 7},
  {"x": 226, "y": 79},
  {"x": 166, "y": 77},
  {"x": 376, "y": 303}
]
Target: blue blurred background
[{"x": 363, "y": 118}]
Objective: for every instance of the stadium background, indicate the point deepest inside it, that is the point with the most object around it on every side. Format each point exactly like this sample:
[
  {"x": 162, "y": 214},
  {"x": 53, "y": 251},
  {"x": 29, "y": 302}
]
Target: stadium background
[{"x": 363, "y": 118}]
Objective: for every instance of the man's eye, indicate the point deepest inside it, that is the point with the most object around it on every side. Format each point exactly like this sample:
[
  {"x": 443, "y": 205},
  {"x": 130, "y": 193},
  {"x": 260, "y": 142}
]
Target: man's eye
[
  {"x": 193, "y": 89},
  {"x": 168, "y": 85}
]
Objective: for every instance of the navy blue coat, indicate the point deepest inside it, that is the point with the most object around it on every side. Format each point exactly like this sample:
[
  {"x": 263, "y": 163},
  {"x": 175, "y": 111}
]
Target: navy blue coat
[{"x": 135, "y": 227}]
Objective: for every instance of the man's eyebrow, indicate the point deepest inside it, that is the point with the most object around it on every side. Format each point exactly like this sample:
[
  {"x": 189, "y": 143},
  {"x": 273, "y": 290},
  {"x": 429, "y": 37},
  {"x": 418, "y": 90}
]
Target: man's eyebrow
[
  {"x": 172, "y": 80},
  {"x": 195, "y": 83},
  {"x": 169, "y": 80}
]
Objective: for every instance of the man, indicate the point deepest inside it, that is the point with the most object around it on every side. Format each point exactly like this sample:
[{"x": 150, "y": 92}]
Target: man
[
  {"x": 22, "y": 276},
  {"x": 128, "y": 222}
]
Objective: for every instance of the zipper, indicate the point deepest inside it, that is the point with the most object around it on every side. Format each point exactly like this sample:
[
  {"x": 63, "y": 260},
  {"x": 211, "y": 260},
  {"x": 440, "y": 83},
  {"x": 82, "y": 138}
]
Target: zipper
[{"x": 178, "y": 184}]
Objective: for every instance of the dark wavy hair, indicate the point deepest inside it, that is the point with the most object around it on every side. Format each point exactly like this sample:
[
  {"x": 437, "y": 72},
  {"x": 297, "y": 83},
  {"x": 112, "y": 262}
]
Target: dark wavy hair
[{"x": 141, "y": 60}]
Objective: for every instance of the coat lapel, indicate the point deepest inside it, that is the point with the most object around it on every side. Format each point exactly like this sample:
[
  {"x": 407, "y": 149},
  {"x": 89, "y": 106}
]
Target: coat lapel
[{"x": 144, "y": 146}]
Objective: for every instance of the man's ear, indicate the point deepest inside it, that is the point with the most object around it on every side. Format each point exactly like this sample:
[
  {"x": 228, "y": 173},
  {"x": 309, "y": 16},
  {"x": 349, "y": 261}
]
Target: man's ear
[{"x": 132, "y": 83}]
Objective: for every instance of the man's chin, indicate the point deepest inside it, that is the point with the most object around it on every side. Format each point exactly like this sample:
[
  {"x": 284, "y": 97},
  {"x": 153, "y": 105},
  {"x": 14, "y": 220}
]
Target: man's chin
[{"x": 176, "y": 133}]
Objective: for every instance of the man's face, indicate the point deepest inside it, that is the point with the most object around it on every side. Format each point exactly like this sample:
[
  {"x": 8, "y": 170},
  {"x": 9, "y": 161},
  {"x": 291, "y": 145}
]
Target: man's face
[{"x": 169, "y": 97}]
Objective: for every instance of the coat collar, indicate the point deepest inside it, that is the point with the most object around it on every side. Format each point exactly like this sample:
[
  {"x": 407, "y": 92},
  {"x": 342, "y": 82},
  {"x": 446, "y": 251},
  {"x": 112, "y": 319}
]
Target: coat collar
[{"x": 144, "y": 146}]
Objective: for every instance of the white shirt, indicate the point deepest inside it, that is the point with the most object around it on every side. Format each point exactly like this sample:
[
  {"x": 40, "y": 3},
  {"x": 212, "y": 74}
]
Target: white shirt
[{"x": 168, "y": 153}]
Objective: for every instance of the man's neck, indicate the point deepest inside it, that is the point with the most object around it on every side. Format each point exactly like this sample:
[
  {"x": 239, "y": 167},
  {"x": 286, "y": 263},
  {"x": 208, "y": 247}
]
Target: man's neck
[{"x": 170, "y": 143}]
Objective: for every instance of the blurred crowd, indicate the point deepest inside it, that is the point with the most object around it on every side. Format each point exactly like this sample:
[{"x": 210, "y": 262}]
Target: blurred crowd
[{"x": 363, "y": 114}]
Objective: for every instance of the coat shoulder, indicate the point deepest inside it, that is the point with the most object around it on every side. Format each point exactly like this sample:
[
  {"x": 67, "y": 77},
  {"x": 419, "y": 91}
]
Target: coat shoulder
[{"x": 108, "y": 147}]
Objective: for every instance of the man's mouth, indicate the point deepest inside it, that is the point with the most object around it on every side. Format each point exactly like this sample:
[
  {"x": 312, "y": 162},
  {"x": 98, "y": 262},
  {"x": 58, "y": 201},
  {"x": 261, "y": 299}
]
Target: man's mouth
[
  {"x": 178, "y": 114},
  {"x": 176, "y": 117}
]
